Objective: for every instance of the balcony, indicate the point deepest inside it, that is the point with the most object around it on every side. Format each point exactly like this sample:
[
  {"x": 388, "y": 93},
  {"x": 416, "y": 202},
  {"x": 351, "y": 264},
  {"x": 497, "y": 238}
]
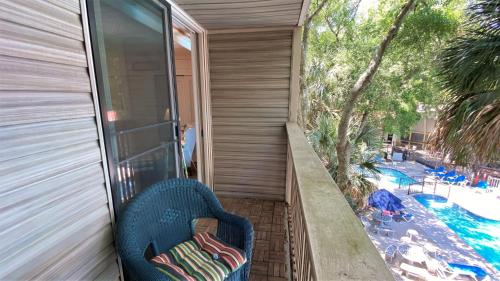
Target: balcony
[
  {"x": 315, "y": 236},
  {"x": 58, "y": 179}
]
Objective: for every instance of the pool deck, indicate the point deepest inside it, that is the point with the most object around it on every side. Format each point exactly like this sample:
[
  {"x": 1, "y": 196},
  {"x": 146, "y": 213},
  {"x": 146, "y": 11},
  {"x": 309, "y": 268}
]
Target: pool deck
[{"x": 430, "y": 228}]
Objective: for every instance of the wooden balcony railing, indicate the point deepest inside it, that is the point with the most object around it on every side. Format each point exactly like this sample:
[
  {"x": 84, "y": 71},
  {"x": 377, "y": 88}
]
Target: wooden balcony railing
[{"x": 327, "y": 240}]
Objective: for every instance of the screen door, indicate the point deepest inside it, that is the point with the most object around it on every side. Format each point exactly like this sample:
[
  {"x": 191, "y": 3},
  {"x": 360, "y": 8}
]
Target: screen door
[{"x": 132, "y": 46}]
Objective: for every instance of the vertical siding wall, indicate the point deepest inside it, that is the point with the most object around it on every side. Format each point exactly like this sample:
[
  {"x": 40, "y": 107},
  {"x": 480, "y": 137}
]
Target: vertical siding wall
[
  {"x": 250, "y": 89},
  {"x": 55, "y": 223}
]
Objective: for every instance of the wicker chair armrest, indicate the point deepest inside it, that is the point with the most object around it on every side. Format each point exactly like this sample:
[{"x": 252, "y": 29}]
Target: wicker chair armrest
[
  {"x": 237, "y": 231},
  {"x": 141, "y": 269}
]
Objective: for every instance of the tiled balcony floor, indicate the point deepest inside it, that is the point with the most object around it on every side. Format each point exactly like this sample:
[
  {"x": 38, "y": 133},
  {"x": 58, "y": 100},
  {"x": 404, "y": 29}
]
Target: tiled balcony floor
[{"x": 268, "y": 218}]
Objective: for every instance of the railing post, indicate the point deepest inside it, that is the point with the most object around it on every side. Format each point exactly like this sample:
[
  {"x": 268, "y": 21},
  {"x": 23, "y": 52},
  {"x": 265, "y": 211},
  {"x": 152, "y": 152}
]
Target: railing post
[
  {"x": 289, "y": 175},
  {"x": 293, "y": 104}
]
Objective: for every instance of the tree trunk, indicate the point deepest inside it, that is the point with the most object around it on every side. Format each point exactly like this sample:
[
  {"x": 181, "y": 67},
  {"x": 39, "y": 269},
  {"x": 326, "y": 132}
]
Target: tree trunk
[
  {"x": 302, "y": 75},
  {"x": 343, "y": 145},
  {"x": 362, "y": 125}
]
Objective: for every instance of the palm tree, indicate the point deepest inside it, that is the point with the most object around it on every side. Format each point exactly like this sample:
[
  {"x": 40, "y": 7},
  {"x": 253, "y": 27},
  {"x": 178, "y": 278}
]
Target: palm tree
[
  {"x": 468, "y": 127},
  {"x": 365, "y": 147}
]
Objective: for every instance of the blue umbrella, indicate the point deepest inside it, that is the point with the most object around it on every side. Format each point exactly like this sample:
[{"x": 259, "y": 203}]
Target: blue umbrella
[{"x": 384, "y": 200}]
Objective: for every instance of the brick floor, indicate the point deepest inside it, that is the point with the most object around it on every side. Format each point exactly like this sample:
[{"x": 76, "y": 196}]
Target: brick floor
[{"x": 268, "y": 217}]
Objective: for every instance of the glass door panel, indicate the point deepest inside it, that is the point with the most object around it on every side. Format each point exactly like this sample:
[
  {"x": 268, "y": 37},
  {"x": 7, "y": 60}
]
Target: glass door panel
[
  {"x": 145, "y": 169},
  {"x": 132, "y": 51}
]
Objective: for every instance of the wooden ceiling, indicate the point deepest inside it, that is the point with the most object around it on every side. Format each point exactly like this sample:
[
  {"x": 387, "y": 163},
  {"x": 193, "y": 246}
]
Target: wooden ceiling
[{"x": 226, "y": 14}]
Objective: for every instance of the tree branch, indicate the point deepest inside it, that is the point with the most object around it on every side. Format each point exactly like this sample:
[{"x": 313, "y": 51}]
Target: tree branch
[
  {"x": 318, "y": 9},
  {"x": 343, "y": 146},
  {"x": 334, "y": 32},
  {"x": 354, "y": 11},
  {"x": 367, "y": 75},
  {"x": 305, "y": 44}
]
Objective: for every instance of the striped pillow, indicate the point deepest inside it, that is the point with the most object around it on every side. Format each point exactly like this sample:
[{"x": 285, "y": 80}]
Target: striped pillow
[
  {"x": 166, "y": 265},
  {"x": 197, "y": 263},
  {"x": 232, "y": 256}
]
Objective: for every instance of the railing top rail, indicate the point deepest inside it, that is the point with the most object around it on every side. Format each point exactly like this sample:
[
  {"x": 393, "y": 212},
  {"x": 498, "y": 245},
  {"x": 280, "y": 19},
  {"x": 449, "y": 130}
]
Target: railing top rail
[{"x": 341, "y": 250}]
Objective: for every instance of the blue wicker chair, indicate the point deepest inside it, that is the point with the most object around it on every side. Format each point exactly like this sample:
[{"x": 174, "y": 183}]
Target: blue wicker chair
[{"x": 163, "y": 216}]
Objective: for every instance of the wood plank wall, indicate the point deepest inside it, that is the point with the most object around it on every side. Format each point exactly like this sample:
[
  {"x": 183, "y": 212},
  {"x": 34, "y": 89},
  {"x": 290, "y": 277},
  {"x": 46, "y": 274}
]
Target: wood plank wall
[
  {"x": 250, "y": 89},
  {"x": 55, "y": 223}
]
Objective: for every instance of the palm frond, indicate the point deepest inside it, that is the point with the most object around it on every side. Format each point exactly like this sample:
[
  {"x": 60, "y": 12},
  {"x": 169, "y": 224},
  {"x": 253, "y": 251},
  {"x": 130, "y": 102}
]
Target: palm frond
[
  {"x": 471, "y": 63},
  {"x": 360, "y": 189},
  {"x": 486, "y": 15},
  {"x": 468, "y": 126}
]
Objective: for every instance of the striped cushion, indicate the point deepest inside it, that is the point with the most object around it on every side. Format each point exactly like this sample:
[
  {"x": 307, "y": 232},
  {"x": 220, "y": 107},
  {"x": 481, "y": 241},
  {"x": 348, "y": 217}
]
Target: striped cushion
[
  {"x": 231, "y": 256},
  {"x": 197, "y": 263},
  {"x": 166, "y": 265}
]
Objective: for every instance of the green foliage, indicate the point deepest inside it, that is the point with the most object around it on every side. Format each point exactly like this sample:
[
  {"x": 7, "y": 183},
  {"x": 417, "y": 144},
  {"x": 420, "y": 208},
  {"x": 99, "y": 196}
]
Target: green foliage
[
  {"x": 323, "y": 139},
  {"x": 469, "y": 124},
  {"x": 340, "y": 47},
  {"x": 357, "y": 195}
]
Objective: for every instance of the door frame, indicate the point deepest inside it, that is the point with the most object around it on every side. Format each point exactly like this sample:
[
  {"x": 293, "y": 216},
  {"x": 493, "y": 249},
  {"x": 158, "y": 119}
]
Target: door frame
[
  {"x": 102, "y": 84},
  {"x": 201, "y": 86},
  {"x": 201, "y": 90}
]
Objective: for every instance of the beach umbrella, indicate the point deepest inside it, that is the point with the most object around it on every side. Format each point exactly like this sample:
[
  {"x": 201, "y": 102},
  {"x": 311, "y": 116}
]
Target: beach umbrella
[{"x": 384, "y": 200}]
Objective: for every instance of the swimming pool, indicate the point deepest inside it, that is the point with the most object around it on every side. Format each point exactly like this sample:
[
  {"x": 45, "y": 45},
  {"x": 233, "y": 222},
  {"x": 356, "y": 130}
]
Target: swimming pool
[
  {"x": 481, "y": 234},
  {"x": 396, "y": 177}
]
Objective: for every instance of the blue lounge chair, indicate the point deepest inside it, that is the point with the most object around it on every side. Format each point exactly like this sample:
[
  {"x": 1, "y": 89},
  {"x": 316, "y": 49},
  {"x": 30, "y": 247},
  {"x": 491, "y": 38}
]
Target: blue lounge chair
[
  {"x": 448, "y": 174},
  {"x": 163, "y": 215},
  {"x": 454, "y": 179},
  {"x": 439, "y": 169},
  {"x": 468, "y": 270},
  {"x": 482, "y": 184},
  {"x": 458, "y": 179}
]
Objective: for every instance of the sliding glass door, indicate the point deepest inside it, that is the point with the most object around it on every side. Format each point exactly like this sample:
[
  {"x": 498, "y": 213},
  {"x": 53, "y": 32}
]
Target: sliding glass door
[{"x": 132, "y": 44}]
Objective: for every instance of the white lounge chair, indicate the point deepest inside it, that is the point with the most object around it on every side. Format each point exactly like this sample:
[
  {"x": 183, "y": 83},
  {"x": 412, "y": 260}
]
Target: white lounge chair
[
  {"x": 436, "y": 269},
  {"x": 444, "y": 271},
  {"x": 428, "y": 273},
  {"x": 434, "y": 266},
  {"x": 410, "y": 270}
]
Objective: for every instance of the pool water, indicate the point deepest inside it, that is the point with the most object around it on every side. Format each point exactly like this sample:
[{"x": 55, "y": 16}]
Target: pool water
[
  {"x": 396, "y": 177},
  {"x": 481, "y": 234}
]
